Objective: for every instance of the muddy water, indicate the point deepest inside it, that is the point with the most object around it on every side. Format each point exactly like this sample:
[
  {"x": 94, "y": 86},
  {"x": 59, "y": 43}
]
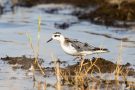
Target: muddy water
[
  {"x": 14, "y": 42},
  {"x": 13, "y": 80}
]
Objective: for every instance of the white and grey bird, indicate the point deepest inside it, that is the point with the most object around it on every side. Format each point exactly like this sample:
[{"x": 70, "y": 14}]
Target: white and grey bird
[{"x": 75, "y": 47}]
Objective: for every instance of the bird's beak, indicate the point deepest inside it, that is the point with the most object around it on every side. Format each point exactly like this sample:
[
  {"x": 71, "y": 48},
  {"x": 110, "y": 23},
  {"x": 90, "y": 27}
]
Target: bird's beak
[{"x": 50, "y": 40}]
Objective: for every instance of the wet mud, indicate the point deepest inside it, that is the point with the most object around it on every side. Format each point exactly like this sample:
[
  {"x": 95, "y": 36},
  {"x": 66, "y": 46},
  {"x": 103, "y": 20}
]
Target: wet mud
[
  {"x": 104, "y": 65},
  {"x": 120, "y": 14},
  {"x": 112, "y": 15},
  {"x": 72, "y": 74},
  {"x": 22, "y": 62}
]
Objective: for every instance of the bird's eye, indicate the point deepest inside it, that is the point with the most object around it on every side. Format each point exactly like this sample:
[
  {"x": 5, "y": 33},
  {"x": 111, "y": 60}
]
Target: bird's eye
[{"x": 56, "y": 35}]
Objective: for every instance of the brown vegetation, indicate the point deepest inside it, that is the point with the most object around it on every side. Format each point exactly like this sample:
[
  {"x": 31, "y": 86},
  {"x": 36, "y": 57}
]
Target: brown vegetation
[
  {"x": 108, "y": 14},
  {"x": 105, "y": 66},
  {"x": 74, "y": 2}
]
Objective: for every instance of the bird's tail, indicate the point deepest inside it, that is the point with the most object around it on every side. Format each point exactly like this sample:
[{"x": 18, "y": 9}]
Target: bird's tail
[{"x": 100, "y": 50}]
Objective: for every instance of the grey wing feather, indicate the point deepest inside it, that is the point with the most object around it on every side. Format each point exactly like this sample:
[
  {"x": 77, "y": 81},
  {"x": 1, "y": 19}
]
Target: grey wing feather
[{"x": 79, "y": 46}]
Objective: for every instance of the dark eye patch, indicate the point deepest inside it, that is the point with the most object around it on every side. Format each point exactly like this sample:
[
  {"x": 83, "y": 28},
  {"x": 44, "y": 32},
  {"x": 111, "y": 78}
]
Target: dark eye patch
[{"x": 56, "y": 35}]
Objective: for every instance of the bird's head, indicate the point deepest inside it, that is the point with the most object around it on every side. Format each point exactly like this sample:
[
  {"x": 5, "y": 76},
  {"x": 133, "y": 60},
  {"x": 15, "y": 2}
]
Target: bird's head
[{"x": 56, "y": 36}]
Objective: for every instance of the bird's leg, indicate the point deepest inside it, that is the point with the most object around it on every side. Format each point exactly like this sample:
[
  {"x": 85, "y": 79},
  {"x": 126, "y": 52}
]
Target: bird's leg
[
  {"x": 82, "y": 57},
  {"x": 79, "y": 57}
]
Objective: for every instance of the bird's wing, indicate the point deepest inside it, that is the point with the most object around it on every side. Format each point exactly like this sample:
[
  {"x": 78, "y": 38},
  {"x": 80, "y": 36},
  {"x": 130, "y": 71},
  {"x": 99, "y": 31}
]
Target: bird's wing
[{"x": 79, "y": 46}]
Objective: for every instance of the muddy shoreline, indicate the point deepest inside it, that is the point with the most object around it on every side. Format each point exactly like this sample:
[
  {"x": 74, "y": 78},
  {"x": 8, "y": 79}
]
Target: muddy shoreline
[
  {"x": 112, "y": 15},
  {"x": 22, "y": 62},
  {"x": 105, "y": 66},
  {"x": 119, "y": 14},
  {"x": 79, "y": 3},
  {"x": 68, "y": 73}
]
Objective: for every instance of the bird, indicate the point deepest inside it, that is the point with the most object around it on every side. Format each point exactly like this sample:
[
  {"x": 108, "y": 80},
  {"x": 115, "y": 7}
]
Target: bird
[{"x": 75, "y": 47}]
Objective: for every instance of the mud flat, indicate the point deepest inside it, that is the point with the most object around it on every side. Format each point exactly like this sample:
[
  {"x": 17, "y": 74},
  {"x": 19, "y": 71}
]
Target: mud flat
[
  {"x": 79, "y": 3},
  {"x": 22, "y": 62},
  {"x": 91, "y": 71},
  {"x": 109, "y": 13},
  {"x": 112, "y": 15},
  {"x": 104, "y": 65}
]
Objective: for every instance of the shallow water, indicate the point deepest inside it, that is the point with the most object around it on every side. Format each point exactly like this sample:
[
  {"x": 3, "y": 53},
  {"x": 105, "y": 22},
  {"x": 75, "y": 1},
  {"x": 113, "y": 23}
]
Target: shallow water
[
  {"x": 13, "y": 29},
  {"x": 14, "y": 42}
]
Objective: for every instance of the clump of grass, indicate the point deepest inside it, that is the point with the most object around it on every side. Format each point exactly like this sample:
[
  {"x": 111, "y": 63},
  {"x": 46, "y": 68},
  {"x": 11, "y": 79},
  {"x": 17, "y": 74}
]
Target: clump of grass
[
  {"x": 81, "y": 78},
  {"x": 119, "y": 69}
]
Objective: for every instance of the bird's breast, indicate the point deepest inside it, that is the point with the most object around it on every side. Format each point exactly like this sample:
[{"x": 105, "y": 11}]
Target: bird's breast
[{"x": 69, "y": 49}]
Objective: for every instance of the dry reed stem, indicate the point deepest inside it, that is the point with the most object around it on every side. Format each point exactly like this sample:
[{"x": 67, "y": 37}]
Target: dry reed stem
[
  {"x": 39, "y": 86},
  {"x": 44, "y": 86},
  {"x": 57, "y": 71},
  {"x": 36, "y": 52},
  {"x": 118, "y": 69},
  {"x": 92, "y": 64},
  {"x": 81, "y": 64}
]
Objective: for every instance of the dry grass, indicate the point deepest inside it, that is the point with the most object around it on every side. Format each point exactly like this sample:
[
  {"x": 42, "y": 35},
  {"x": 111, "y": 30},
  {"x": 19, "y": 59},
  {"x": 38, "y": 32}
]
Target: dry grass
[
  {"x": 57, "y": 72},
  {"x": 36, "y": 49}
]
